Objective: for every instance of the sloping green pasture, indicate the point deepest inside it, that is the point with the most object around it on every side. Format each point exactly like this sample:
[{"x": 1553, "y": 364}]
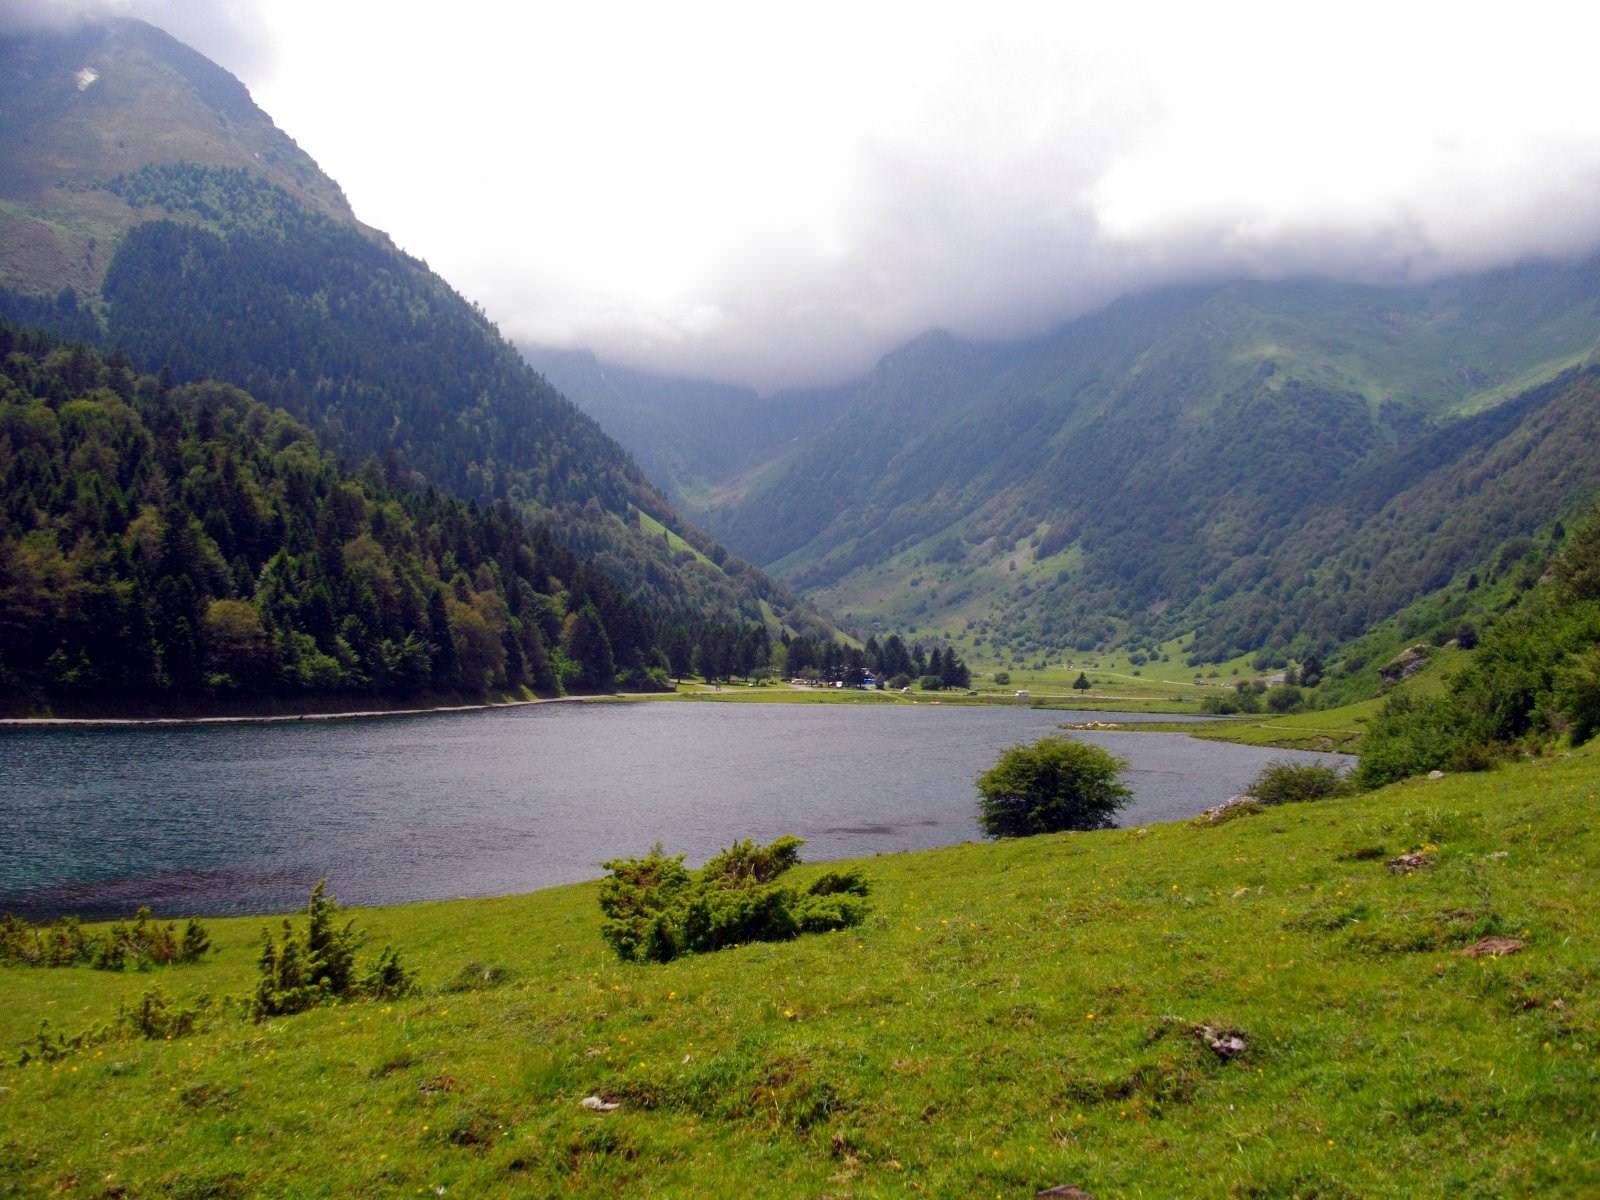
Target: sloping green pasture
[{"x": 1011, "y": 1016}]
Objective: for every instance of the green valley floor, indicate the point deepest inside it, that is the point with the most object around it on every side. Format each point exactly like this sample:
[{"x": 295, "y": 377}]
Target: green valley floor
[{"x": 1010, "y": 1017}]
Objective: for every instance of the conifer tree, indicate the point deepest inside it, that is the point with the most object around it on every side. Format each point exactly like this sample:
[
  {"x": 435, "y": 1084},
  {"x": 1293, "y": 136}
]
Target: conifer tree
[
  {"x": 584, "y": 641},
  {"x": 446, "y": 668}
]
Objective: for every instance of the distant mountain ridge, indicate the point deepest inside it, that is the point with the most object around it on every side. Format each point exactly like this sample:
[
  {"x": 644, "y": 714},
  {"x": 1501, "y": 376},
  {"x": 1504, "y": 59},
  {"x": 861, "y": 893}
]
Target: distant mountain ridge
[
  {"x": 149, "y": 205},
  {"x": 685, "y": 433},
  {"x": 1236, "y": 459}
]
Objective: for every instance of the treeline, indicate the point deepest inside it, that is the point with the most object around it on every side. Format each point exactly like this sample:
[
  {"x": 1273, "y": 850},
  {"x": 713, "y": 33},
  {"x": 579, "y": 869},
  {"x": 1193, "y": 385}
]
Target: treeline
[
  {"x": 161, "y": 542},
  {"x": 1534, "y": 677},
  {"x": 891, "y": 661}
]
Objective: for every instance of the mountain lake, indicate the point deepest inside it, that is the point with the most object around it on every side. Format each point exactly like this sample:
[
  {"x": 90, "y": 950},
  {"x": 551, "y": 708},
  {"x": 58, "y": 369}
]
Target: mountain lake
[{"x": 243, "y": 818}]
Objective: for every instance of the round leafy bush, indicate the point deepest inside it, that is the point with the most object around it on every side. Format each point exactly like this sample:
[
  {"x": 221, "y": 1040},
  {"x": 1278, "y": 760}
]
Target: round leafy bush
[
  {"x": 1052, "y": 785},
  {"x": 1285, "y": 698},
  {"x": 1292, "y": 783}
]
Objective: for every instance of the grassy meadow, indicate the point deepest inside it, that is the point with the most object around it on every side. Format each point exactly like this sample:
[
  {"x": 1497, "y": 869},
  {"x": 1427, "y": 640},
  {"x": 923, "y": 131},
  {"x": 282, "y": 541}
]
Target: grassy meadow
[
  {"x": 1335, "y": 729},
  {"x": 1116, "y": 683},
  {"x": 1011, "y": 1016}
]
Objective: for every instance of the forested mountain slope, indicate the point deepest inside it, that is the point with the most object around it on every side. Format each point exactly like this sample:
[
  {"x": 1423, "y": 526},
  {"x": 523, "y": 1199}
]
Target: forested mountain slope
[
  {"x": 165, "y": 544},
  {"x": 1271, "y": 464},
  {"x": 208, "y": 245}
]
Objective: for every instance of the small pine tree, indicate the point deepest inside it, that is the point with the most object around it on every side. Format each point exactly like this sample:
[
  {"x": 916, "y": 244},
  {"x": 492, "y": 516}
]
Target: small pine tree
[
  {"x": 297, "y": 973},
  {"x": 330, "y": 952},
  {"x": 388, "y": 979},
  {"x": 282, "y": 987},
  {"x": 196, "y": 941},
  {"x": 584, "y": 641},
  {"x": 444, "y": 666}
]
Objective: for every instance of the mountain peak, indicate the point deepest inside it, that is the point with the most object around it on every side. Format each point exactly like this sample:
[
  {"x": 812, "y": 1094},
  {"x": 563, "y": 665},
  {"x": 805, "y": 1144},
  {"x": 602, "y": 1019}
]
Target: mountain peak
[{"x": 82, "y": 104}]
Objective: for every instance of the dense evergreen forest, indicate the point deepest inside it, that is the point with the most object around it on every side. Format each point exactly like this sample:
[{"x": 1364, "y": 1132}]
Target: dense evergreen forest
[
  {"x": 891, "y": 662},
  {"x": 164, "y": 542}
]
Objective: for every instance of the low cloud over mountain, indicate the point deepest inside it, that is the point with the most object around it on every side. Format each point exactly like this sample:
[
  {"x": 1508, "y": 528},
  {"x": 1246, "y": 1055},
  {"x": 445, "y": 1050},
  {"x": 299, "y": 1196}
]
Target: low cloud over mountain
[
  {"x": 777, "y": 199},
  {"x": 233, "y": 35}
]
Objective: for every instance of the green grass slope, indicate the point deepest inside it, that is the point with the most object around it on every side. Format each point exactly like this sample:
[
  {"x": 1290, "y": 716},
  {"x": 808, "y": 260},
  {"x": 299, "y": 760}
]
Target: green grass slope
[
  {"x": 1011, "y": 1017},
  {"x": 1337, "y": 730}
]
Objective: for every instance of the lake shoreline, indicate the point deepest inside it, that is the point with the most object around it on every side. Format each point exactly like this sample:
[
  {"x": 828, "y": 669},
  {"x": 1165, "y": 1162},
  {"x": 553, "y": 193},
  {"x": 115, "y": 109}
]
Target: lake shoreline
[
  {"x": 280, "y": 718},
  {"x": 732, "y": 694}
]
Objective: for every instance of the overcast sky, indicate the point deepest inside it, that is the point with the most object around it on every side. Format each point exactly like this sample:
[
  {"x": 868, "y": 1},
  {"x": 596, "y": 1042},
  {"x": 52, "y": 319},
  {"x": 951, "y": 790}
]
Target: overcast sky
[{"x": 777, "y": 194}]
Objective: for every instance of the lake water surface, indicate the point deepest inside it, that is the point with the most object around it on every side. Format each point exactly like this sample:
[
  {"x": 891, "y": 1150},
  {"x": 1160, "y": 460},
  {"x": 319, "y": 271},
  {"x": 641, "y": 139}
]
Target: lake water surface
[{"x": 245, "y": 818}]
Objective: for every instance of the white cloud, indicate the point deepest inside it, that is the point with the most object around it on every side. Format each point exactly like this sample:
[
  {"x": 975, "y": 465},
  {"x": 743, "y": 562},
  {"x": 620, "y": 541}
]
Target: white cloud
[{"x": 778, "y": 194}]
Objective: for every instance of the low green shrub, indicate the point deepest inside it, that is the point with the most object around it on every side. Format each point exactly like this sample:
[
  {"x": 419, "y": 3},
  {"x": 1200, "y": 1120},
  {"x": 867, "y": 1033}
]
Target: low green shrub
[
  {"x": 299, "y": 972},
  {"x": 65, "y": 943},
  {"x": 1577, "y": 693},
  {"x": 1472, "y": 756},
  {"x": 1285, "y": 698},
  {"x": 644, "y": 679},
  {"x": 50, "y": 1045},
  {"x": 1294, "y": 783},
  {"x": 154, "y": 1016},
  {"x": 1412, "y": 735},
  {"x": 656, "y": 908}
]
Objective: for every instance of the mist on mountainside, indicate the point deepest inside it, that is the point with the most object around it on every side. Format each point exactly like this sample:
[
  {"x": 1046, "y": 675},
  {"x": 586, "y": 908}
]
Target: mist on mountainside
[
  {"x": 1274, "y": 464},
  {"x": 774, "y": 204}
]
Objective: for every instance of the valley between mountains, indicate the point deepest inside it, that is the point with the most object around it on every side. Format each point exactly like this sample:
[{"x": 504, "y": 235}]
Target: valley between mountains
[{"x": 1138, "y": 737}]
